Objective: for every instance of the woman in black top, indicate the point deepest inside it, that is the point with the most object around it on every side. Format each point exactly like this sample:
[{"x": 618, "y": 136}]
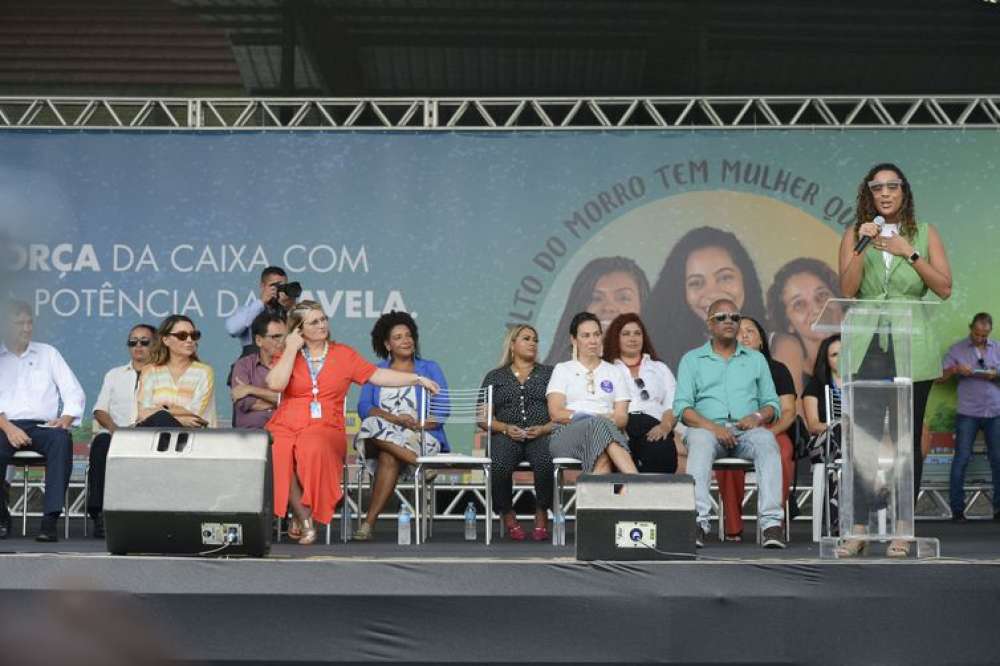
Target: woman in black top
[
  {"x": 825, "y": 373},
  {"x": 521, "y": 428}
]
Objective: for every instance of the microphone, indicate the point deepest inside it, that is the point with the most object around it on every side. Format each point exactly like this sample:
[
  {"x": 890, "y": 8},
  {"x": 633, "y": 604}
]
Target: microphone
[{"x": 863, "y": 242}]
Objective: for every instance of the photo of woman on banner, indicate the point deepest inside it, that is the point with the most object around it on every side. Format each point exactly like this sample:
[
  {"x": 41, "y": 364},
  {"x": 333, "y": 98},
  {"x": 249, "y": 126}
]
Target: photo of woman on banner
[
  {"x": 795, "y": 300},
  {"x": 705, "y": 265},
  {"x": 606, "y": 286}
]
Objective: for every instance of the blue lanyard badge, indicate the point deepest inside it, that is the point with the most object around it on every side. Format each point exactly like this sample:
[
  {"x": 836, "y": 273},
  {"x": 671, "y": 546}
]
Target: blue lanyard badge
[{"x": 315, "y": 365}]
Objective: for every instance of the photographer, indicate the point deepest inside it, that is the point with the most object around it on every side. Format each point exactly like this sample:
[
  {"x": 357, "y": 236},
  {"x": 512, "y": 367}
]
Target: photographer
[{"x": 277, "y": 295}]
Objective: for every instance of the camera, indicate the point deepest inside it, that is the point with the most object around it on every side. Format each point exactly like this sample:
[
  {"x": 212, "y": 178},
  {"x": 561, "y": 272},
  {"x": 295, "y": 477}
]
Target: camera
[{"x": 290, "y": 289}]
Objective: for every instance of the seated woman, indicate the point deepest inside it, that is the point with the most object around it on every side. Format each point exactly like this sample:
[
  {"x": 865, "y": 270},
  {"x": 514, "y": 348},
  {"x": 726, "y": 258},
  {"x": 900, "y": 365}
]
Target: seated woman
[
  {"x": 389, "y": 438},
  {"x": 521, "y": 428},
  {"x": 588, "y": 400},
  {"x": 731, "y": 487},
  {"x": 651, "y": 415},
  {"x": 176, "y": 390},
  {"x": 826, "y": 373},
  {"x": 314, "y": 374}
]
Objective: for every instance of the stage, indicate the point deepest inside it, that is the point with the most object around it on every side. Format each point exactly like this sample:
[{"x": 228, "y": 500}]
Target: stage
[{"x": 455, "y": 602}]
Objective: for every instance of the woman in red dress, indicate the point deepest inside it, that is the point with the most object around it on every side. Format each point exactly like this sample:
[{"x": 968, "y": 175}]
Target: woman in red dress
[{"x": 313, "y": 375}]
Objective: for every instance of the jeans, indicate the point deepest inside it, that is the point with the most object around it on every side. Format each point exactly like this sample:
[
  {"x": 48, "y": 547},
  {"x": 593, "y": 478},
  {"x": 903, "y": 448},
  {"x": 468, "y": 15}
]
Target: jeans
[
  {"x": 966, "y": 428},
  {"x": 757, "y": 445}
]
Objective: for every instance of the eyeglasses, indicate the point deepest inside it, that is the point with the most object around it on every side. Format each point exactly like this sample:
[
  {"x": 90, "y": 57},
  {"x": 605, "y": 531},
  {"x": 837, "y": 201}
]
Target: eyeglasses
[
  {"x": 184, "y": 335},
  {"x": 720, "y": 317},
  {"x": 877, "y": 186},
  {"x": 590, "y": 382},
  {"x": 641, "y": 385},
  {"x": 140, "y": 342}
]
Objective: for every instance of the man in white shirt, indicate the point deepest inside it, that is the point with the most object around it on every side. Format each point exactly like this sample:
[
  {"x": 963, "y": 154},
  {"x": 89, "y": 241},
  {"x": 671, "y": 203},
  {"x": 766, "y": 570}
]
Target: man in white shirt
[
  {"x": 116, "y": 407},
  {"x": 34, "y": 380}
]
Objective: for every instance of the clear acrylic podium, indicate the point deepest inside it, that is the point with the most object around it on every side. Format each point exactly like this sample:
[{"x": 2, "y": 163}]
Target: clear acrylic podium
[{"x": 876, "y": 501}]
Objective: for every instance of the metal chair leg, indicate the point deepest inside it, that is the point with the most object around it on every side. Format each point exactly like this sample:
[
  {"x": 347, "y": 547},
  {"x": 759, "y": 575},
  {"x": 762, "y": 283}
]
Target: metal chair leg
[
  {"x": 417, "y": 507},
  {"x": 489, "y": 504}
]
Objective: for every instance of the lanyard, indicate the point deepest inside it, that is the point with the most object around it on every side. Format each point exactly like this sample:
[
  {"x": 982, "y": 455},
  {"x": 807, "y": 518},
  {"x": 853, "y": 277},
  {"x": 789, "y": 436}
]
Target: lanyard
[{"x": 315, "y": 365}]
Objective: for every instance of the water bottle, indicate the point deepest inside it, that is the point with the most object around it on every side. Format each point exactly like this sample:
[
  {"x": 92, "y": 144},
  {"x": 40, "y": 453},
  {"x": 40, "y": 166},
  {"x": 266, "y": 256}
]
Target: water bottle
[
  {"x": 403, "y": 522},
  {"x": 559, "y": 529},
  {"x": 470, "y": 522}
]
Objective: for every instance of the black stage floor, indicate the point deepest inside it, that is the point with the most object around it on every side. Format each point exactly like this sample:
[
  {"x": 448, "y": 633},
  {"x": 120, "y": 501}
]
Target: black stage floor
[{"x": 455, "y": 602}]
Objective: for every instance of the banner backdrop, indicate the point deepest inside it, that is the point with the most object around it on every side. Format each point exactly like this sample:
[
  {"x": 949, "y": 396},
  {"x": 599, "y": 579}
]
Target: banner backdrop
[{"x": 469, "y": 231}]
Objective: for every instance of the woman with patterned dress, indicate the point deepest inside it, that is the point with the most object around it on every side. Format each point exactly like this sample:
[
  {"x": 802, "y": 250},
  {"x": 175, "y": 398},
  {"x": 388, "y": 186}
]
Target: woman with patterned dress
[{"x": 389, "y": 439}]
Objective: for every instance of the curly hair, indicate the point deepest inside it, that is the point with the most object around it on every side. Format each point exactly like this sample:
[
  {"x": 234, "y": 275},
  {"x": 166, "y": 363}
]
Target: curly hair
[
  {"x": 581, "y": 293},
  {"x": 864, "y": 209},
  {"x": 612, "y": 338},
  {"x": 383, "y": 328},
  {"x": 675, "y": 329},
  {"x": 776, "y": 316}
]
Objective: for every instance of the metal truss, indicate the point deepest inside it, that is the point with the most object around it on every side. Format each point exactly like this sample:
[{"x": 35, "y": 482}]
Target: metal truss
[{"x": 510, "y": 114}]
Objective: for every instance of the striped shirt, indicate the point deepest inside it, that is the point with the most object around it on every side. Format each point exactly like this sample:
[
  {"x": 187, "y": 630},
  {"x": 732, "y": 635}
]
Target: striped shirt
[{"x": 194, "y": 391}]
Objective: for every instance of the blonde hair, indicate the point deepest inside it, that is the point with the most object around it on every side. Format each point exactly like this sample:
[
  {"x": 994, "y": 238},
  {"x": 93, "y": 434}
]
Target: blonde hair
[
  {"x": 507, "y": 350},
  {"x": 297, "y": 315}
]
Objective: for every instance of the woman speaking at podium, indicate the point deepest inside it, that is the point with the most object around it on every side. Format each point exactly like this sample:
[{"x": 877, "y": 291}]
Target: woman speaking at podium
[{"x": 894, "y": 258}]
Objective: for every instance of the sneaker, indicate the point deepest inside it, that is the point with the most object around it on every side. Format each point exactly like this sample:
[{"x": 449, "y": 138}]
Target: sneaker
[
  {"x": 773, "y": 537},
  {"x": 48, "y": 532},
  {"x": 701, "y": 534}
]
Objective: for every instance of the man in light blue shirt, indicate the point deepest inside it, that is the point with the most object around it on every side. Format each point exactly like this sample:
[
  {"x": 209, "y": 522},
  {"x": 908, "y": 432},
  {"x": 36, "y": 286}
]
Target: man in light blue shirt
[
  {"x": 271, "y": 296},
  {"x": 726, "y": 397}
]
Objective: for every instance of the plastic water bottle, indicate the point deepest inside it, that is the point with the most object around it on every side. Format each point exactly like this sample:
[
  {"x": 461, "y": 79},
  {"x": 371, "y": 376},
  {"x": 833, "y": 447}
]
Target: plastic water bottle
[
  {"x": 559, "y": 529},
  {"x": 470, "y": 522},
  {"x": 403, "y": 522}
]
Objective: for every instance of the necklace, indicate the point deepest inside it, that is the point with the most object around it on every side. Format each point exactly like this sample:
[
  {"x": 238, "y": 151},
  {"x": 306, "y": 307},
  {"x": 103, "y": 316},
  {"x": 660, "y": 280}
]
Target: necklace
[{"x": 517, "y": 372}]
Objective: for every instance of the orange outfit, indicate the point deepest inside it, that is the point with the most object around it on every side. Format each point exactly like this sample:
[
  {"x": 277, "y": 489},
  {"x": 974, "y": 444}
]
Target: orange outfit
[
  {"x": 314, "y": 449},
  {"x": 731, "y": 486}
]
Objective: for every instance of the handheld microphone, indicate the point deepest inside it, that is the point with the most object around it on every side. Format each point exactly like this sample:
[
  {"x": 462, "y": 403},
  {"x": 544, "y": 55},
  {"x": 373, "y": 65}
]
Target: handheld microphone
[{"x": 863, "y": 242}]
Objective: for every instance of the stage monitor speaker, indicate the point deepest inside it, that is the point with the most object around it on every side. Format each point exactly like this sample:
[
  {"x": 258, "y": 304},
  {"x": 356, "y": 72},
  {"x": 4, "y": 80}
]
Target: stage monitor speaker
[
  {"x": 635, "y": 517},
  {"x": 189, "y": 491}
]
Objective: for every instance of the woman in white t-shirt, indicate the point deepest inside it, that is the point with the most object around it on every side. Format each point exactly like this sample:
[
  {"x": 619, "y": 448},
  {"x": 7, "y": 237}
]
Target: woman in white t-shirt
[
  {"x": 588, "y": 399},
  {"x": 651, "y": 414}
]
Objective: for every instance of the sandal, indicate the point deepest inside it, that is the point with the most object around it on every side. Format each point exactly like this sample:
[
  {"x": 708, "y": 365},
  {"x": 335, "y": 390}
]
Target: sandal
[
  {"x": 515, "y": 532},
  {"x": 294, "y": 529},
  {"x": 308, "y": 532},
  {"x": 852, "y": 548},
  {"x": 540, "y": 534},
  {"x": 898, "y": 549},
  {"x": 364, "y": 533}
]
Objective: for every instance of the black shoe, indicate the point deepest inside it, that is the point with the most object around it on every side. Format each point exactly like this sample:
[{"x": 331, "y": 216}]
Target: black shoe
[
  {"x": 5, "y": 526},
  {"x": 773, "y": 537},
  {"x": 958, "y": 517},
  {"x": 48, "y": 532},
  {"x": 996, "y": 515},
  {"x": 98, "y": 525},
  {"x": 700, "y": 536}
]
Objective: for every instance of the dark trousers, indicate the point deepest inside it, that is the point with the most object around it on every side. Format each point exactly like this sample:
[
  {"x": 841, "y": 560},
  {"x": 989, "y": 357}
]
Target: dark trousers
[
  {"x": 95, "y": 479},
  {"x": 57, "y": 447},
  {"x": 506, "y": 454},
  {"x": 650, "y": 457},
  {"x": 870, "y": 415}
]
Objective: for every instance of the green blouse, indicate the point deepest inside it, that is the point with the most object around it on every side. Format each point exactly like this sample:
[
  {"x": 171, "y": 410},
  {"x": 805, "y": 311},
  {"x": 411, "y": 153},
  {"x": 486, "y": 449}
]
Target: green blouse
[{"x": 900, "y": 282}]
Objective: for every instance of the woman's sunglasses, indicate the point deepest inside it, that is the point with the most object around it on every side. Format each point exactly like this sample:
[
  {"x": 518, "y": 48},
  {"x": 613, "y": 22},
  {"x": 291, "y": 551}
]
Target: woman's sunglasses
[
  {"x": 139, "y": 342},
  {"x": 184, "y": 335},
  {"x": 641, "y": 385}
]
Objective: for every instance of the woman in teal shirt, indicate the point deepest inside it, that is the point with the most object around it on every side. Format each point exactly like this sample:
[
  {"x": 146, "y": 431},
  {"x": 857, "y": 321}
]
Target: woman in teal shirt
[{"x": 904, "y": 260}]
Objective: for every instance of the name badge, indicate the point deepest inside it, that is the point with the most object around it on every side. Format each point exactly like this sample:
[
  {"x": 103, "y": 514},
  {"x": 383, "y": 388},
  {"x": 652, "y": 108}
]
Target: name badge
[{"x": 315, "y": 410}]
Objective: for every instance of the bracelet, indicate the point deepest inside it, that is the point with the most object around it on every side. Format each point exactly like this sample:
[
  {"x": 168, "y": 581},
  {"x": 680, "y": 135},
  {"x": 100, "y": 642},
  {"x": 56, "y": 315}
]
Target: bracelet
[
  {"x": 760, "y": 417},
  {"x": 417, "y": 380}
]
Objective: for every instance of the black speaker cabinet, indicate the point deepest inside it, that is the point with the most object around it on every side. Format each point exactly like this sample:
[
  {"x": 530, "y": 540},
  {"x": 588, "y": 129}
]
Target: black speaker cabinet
[
  {"x": 635, "y": 517},
  {"x": 189, "y": 491}
]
